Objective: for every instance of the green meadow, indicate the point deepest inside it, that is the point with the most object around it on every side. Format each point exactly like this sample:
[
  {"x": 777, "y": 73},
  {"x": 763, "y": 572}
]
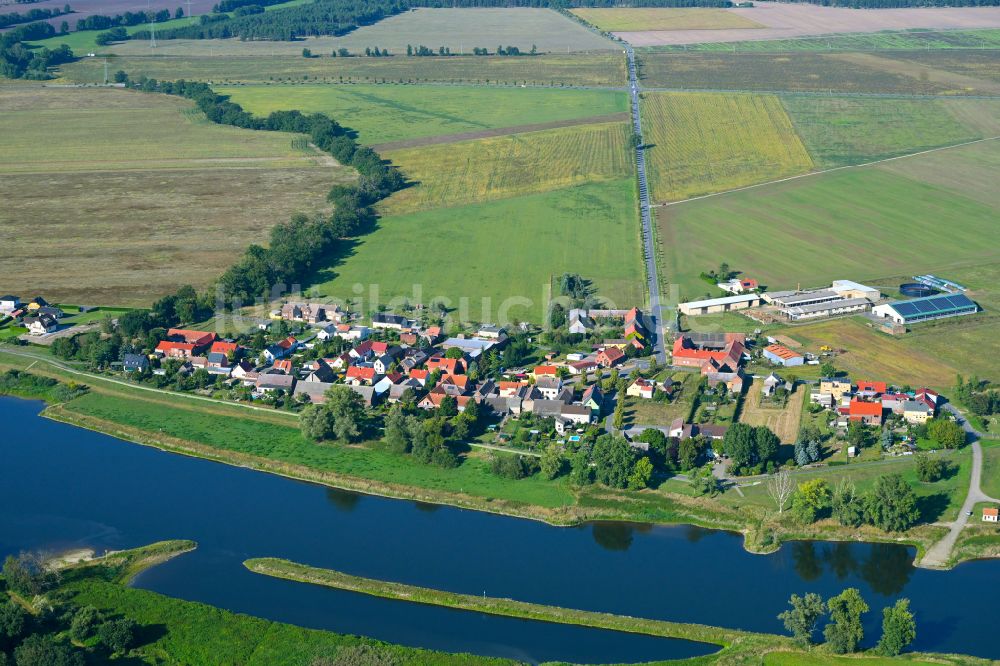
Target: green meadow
[
  {"x": 381, "y": 113},
  {"x": 506, "y": 249}
]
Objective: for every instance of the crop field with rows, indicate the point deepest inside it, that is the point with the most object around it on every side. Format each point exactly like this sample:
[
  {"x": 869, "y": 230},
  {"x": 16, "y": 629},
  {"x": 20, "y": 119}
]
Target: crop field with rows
[
  {"x": 500, "y": 167},
  {"x": 704, "y": 143}
]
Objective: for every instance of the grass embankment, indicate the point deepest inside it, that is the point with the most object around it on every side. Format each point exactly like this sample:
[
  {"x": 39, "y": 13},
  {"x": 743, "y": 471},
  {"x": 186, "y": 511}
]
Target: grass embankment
[
  {"x": 427, "y": 110},
  {"x": 737, "y": 646}
]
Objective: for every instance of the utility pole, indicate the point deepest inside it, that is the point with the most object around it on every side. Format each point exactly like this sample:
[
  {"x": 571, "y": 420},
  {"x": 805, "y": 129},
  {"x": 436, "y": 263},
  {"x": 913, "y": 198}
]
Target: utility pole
[
  {"x": 105, "y": 71},
  {"x": 190, "y": 15},
  {"x": 152, "y": 25}
]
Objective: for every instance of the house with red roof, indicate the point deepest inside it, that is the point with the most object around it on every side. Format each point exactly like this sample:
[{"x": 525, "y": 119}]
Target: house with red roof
[
  {"x": 722, "y": 355},
  {"x": 359, "y": 375},
  {"x": 433, "y": 401},
  {"x": 609, "y": 357},
  {"x": 872, "y": 388},
  {"x": 420, "y": 375},
  {"x": 447, "y": 366},
  {"x": 197, "y": 338},
  {"x": 283, "y": 365},
  {"x": 545, "y": 371},
  {"x": 230, "y": 349},
  {"x": 175, "y": 349},
  {"x": 868, "y": 413}
]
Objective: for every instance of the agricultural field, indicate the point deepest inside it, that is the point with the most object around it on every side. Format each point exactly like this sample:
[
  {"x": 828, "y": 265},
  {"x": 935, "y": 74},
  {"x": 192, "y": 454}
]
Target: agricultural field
[
  {"x": 487, "y": 169},
  {"x": 428, "y": 111},
  {"x": 981, "y": 64},
  {"x": 499, "y": 250},
  {"x": 704, "y": 142},
  {"x": 814, "y": 229},
  {"x": 621, "y": 19},
  {"x": 461, "y": 30},
  {"x": 799, "y": 72},
  {"x": 850, "y": 130},
  {"x": 593, "y": 69},
  {"x": 783, "y": 421},
  {"x": 136, "y": 194},
  {"x": 925, "y": 75}
]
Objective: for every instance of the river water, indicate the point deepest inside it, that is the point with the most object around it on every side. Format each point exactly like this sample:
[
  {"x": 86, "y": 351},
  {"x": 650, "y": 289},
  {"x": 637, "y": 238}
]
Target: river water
[{"x": 62, "y": 487}]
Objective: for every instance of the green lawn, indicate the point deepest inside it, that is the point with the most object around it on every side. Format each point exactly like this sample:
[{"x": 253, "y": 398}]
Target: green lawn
[
  {"x": 990, "y": 480},
  {"x": 285, "y": 444},
  {"x": 862, "y": 224},
  {"x": 499, "y": 256},
  {"x": 381, "y": 113},
  {"x": 851, "y": 130}
]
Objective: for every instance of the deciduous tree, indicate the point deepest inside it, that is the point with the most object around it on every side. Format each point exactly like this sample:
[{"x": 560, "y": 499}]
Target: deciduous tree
[
  {"x": 845, "y": 631},
  {"x": 899, "y": 629},
  {"x": 803, "y": 617}
]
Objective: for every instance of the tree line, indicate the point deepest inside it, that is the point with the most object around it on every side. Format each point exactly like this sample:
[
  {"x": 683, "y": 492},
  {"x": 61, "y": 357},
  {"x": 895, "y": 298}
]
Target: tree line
[
  {"x": 295, "y": 246},
  {"x": 14, "y": 18},
  {"x": 845, "y": 630},
  {"x": 17, "y": 61}
]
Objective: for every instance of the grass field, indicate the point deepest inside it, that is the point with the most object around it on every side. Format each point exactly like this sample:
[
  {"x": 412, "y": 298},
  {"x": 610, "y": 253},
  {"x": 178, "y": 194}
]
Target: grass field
[
  {"x": 547, "y": 70},
  {"x": 461, "y": 30},
  {"x": 982, "y": 64},
  {"x": 861, "y": 41},
  {"x": 478, "y": 171},
  {"x": 806, "y": 72},
  {"x": 852, "y": 130},
  {"x": 423, "y": 111},
  {"x": 621, "y": 19},
  {"x": 500, "y": 250},
  {"x": 136, "y": 194},
  {"x": 704, "y": 143},
  {"x": 990, "y": 480},
  {"x": 811, "y": 230}
]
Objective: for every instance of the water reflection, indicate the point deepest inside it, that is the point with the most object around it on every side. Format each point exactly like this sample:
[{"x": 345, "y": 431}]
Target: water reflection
[
  {"x": 618, "y": 536},
  {"x": 342, "y": 499},
  {"x": 426, "y": 507},
  {"x": 886, "y": 568}
]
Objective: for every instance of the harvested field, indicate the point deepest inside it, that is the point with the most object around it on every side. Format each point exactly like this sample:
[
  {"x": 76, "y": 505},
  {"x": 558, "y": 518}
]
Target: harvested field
[
  {"x": 704, "y": 143},
  {"x": 136, "y": 194},
  {"x": 783, "y": 422},
  {"x": 461, "y": 30},
  {"x": 801, "y": 72},
  {"x": 127, "y": 238},
  {"x": 785, "y": 21},
  {"x": 88, "y": 129},
  {"x": 497, "y": 168},
  {"x": 621, "y": 19},
  {"x": 547, "y": 70},
  {"x": 427, "y": 111},
  {"x": 981, "y": 64},
  {"x": 921, "y": 73},
  {"x": 828, "y": 226},
  {"x": 852, "y": 130},
  {"x": 507, "y": 249}
]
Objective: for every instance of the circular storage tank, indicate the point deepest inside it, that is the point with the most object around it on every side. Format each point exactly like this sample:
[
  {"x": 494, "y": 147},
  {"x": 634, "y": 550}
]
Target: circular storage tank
[{"x": 916, "y": 289}]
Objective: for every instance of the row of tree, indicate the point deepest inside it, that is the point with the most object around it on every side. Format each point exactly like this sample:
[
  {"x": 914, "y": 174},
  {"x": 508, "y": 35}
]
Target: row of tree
[
  {"x": 297, "y": 245},
  {"x": 18, "y": 61},
  {"x": 845, "y": 630},
  {"x": 14, "y": 18}
]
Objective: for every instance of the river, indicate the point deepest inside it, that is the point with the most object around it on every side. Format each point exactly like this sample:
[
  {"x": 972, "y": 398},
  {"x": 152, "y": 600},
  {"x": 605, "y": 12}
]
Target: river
[{"x": 63, "y": 487}]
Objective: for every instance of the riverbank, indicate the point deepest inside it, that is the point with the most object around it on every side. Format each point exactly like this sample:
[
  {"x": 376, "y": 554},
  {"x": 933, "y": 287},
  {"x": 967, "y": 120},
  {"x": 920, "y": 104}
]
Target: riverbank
[
  {"x": 737, "y": 646},
  {"x": 271, "y": 443}
]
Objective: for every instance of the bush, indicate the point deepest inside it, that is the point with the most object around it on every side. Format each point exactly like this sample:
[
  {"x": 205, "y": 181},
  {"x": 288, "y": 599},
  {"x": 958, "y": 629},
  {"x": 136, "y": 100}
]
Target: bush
[{"x": 118, "y": 635}]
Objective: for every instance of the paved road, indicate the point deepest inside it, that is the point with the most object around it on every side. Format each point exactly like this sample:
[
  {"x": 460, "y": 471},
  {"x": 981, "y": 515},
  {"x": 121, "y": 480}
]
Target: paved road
[
  {"x": 939, "y": 554},
  {"x": 648, "y": 247}
]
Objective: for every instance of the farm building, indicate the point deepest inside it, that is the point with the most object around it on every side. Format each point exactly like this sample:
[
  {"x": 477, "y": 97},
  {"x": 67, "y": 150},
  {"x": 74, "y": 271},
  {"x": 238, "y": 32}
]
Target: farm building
[
  {"x": 925, "y": 309},
  {"x": 792, "y": 299},
  {"x": 725, "y": 304},
  {"x": 783, "y": 355},
  {"x": 828, "y": 309},
  {"x": 850, "y": 289}
]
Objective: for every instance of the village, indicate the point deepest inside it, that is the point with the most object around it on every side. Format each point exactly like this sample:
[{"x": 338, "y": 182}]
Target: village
[{"x": 529, "y": 393}]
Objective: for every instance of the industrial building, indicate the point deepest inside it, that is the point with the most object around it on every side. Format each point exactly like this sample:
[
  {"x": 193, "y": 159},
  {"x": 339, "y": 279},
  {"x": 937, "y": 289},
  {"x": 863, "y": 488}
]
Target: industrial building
[
  {"x": 725, "y": 304},
  {"x": 782, "y": 355},
  {"x": 925, "y": 309},
  {"x": 828, "y": 309},
  {"x": 843, "y": 297}
]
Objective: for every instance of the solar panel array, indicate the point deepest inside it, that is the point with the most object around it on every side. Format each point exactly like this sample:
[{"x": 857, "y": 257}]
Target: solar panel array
[{"x": 932, "y": 304}]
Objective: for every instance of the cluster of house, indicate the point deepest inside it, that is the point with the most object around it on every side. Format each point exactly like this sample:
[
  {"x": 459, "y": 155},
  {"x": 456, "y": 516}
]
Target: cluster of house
[
  {"x": 36, "y": 315},
  {"x": 869, "y": 402},
  {"x": 636, "y": 330},
  {"x": 384, "y": 371},
  {"x": 718, "y": 356}
]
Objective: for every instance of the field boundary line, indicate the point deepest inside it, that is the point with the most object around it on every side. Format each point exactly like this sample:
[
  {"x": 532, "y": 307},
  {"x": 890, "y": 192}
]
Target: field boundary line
[{"x": 827, "y": 171}]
